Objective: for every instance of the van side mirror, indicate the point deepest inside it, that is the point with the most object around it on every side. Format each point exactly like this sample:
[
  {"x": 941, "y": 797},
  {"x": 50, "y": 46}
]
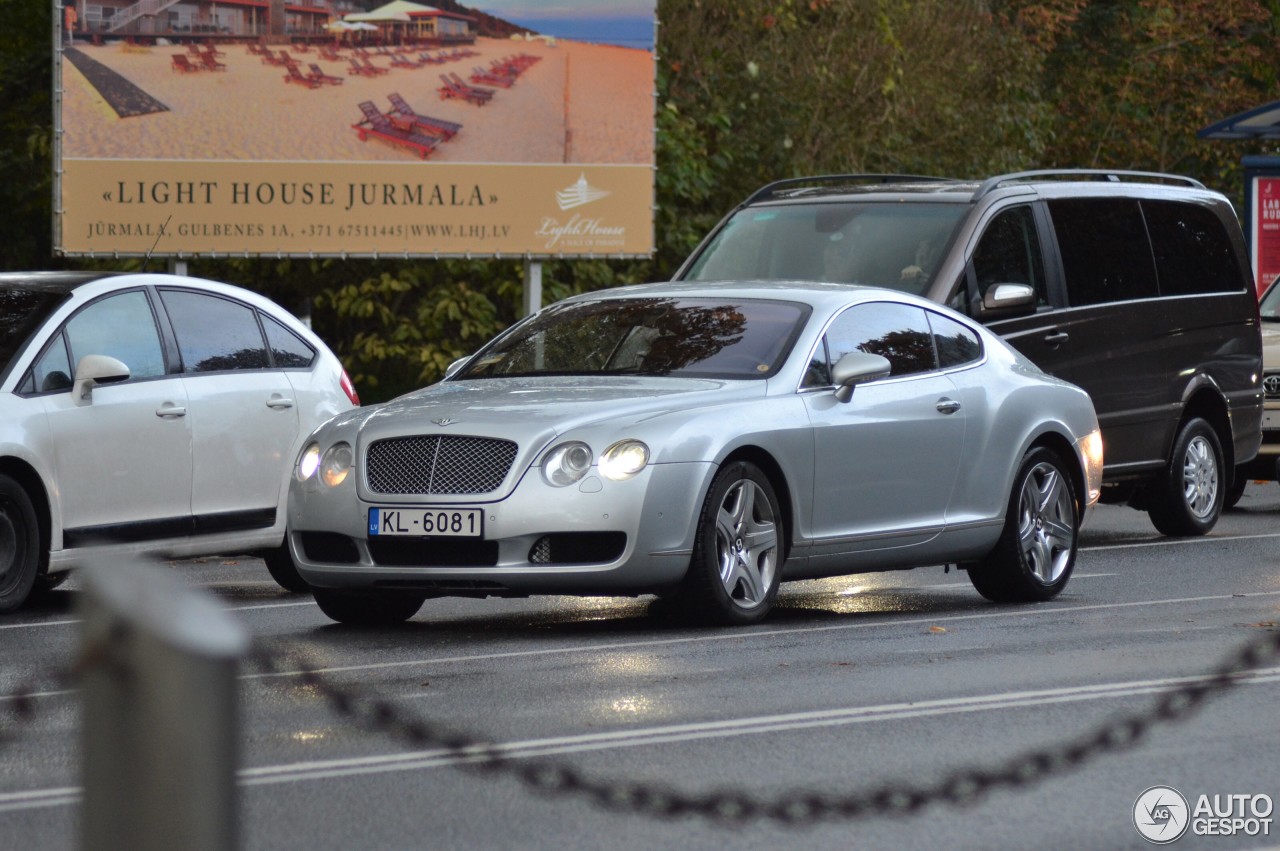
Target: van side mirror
[
  {"x": 452, "y": 369},
  {"x": 857, "y": 368},
  {"x": 93, "y": 370},
  {"x": 1008, "y": 299}
]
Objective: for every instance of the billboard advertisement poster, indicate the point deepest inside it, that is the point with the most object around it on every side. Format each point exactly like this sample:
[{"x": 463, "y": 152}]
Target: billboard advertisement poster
[
  {"x": 214, "y": 129},
  {"x": 1265, "y": 238}
]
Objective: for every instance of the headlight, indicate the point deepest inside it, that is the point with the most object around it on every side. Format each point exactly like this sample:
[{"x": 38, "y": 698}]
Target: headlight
[
  {"x": 566, "y": 463},
  {"x": 1091, "y": 450},
  {"x": 336, "y": 464},
  {"x": 623, "y": 460},
  {"x": 309, "y": 462}
]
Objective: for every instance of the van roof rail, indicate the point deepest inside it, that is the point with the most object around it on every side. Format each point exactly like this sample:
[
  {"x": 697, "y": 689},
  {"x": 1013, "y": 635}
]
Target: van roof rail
[
  {"x": 776, "y": 188},
  {"x": 1110, "y": 175}
]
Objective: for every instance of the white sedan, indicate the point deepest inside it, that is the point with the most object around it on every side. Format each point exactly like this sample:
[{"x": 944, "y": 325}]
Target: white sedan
[
  {"x": 144, "y": 413},
  {"x": 703, "y": 442}
]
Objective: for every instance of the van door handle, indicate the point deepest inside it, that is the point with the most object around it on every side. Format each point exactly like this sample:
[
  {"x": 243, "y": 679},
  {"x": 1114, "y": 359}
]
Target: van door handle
[
  {"x": 279, "y": 402},
  {"x": 947, "y": 406},
  {"x": 1057, "y": 338},
  {"x": 168, "y": 411}
]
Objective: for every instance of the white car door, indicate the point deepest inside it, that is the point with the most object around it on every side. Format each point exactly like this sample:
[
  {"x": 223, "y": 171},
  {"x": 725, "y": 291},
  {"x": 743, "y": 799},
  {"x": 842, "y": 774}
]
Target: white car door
[
  {"x": 122, "y": 456},
  {"x": 244, "y": 418},
  {"x": 885, "y": 461}
]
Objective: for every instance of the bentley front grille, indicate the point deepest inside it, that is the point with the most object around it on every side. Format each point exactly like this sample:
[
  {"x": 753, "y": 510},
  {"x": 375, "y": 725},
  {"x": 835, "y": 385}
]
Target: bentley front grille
[{"x": 438, "y": 465}]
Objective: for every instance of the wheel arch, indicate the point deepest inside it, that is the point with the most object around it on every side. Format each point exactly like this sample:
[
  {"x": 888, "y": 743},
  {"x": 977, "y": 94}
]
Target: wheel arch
[
  {"x": 1206, "y": 401},
  {"x": 1059, "y": 445}
]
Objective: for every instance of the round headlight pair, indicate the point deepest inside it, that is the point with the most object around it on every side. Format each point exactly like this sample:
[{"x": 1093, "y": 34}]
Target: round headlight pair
[
  {"x": 570, "y": 461},
  {"x": 332, "y": 466}
]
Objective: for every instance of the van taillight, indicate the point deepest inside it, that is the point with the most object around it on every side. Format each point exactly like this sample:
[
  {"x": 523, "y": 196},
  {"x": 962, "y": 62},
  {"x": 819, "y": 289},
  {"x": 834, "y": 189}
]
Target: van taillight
[{"x": 349, "y": 389}]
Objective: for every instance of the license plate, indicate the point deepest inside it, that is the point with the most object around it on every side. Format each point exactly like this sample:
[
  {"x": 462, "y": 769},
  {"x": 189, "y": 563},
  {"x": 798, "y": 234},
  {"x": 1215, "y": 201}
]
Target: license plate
[{"x": 449, "y": 522}]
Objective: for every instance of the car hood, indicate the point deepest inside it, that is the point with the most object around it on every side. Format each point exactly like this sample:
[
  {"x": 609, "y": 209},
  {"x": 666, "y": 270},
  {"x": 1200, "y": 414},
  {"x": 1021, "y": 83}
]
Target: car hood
[{"x": 533, "y": 411}]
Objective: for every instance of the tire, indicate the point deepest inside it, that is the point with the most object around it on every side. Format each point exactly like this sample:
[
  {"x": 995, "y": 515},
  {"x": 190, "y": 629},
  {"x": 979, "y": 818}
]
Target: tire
[
  {"x": 1036, "y": 552},
  {"x": 1238, "y": 483},
  {"x": 739, "y": 550},
  {"x": 282, "y": 569},
  {"x": 1188, "y": 499},
  {"x": 19, "y": 545},
  {"x": 369, "y": 608}
]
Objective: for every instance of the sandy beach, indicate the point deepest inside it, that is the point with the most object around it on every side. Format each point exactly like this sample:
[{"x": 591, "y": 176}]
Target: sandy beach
[{"x": 581, "y": 103}]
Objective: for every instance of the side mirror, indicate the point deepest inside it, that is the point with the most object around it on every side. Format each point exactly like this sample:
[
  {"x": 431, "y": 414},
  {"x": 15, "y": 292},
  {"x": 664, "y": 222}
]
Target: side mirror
[
  {"x": 856, "y": 368},
  {"x": 1006, "y": 299},
  {"x": 93, "y": 370}
]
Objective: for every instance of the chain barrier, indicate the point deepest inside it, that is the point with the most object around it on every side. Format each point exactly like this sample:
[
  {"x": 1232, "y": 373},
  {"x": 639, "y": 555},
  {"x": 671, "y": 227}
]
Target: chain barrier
[{"x": 728, "y": 808}]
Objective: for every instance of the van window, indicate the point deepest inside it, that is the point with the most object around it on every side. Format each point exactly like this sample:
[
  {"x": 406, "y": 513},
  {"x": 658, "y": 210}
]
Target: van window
[
  {"x": 1102, "y": 241},
  {"x": 1193, "y": 252},
  {"x": 1009, "y": 253}
]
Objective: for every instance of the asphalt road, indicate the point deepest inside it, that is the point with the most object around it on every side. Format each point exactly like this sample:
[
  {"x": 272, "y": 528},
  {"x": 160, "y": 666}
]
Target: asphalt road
[{"x": 855, "y": 684}]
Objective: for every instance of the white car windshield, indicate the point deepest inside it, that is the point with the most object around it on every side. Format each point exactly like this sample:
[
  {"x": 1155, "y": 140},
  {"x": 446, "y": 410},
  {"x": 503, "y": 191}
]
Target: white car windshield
[
  {"x": 690, "y": 337},
  {"x": 893, "y": 245}
]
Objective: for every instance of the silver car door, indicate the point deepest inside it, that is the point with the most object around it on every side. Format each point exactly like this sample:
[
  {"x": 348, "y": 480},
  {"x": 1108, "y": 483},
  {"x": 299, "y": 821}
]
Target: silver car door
[{"x": 886, "y": 461}]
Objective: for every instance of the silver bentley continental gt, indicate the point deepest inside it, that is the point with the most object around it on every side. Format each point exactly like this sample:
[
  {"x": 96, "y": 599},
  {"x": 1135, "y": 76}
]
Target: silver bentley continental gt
[{"x": 702, "y": 442}]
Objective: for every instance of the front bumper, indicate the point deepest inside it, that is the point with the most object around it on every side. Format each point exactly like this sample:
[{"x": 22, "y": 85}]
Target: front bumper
[{"x": 597, "y": 536}]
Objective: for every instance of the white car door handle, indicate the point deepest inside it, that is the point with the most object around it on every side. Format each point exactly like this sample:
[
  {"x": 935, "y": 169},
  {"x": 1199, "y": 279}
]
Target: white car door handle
[
  {"x": 279, "y": 402},
  {"x": 947, "y": 406},
  {"x": 170, "y": 411}
]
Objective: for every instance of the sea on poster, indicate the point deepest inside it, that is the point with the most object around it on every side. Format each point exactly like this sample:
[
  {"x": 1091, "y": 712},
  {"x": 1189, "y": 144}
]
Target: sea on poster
[{"x": 243, "y": 128}]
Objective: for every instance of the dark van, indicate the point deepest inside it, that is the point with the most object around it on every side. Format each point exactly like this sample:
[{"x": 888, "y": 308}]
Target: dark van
[{"x": 1135, "y": 286}]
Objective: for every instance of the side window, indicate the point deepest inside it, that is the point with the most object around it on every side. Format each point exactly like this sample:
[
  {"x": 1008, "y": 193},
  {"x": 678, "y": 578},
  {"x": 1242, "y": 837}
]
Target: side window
[
  {"x": 957, "y": 345},
  {"x": 122, "y": 327},
  {"x": 898, "y": 332},
  {"x": 214, "y": 333},
  {"x": 53, "y": 370},
  {"x": 1105, "y": 253},
  {"x": 1192, "y": 248},
  {"x": 819, "y": 372},
  {"x": 288, "y": 350},
  {"x": 1009, "y": 253}
]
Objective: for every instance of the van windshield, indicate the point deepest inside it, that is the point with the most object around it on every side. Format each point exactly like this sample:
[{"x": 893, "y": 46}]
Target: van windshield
[{"x": 893, "y": 245}]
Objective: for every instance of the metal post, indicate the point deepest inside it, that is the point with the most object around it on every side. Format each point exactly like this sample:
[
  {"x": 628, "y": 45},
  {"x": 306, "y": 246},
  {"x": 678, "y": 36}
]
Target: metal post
[
  {"x": 159, "y": 714},
  {"x": 177, "y": 267},
  {"x": 532, "y": 287}
]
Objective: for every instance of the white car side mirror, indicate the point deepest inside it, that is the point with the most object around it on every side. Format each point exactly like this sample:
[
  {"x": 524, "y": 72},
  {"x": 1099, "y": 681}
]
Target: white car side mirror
[
  {"x": 97, "y": 369},
  {"x": 854, "y": 369}
]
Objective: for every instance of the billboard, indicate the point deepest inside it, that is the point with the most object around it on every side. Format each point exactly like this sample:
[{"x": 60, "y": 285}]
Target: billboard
[{"x": 248, "y": 128}]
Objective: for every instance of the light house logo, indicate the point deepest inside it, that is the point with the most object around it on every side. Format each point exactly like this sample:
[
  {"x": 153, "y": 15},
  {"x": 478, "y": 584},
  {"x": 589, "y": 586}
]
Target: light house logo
[{"x": 578, "y": 194}]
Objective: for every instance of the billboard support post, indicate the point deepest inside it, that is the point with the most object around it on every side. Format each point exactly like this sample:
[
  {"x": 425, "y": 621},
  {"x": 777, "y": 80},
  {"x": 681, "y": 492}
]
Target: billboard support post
[{"x": 532, "y": 287}]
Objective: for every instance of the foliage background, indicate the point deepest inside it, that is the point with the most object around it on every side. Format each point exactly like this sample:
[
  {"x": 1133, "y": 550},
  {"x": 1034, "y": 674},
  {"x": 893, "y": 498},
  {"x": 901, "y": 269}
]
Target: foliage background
[{"x": 751, "y": 91}]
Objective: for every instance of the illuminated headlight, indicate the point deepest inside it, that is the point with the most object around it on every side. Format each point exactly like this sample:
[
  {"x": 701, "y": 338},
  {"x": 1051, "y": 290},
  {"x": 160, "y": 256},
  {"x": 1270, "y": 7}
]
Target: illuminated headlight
[
  {"x": 1091, "y": 452},
  {"x": 566, "y": 463},
  {"x": 308, "y": 462},
  {"x": 623, "y": 460},
  {"x": 335, "y": 464}
]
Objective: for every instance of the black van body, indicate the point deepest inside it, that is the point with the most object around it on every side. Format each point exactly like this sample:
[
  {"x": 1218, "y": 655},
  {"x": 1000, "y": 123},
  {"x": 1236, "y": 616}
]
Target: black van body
[{"x": 1134, "y": 286}]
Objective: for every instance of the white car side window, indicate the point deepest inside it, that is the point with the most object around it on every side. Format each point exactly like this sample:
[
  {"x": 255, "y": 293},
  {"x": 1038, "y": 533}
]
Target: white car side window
[{"x": 122, "y": 327}]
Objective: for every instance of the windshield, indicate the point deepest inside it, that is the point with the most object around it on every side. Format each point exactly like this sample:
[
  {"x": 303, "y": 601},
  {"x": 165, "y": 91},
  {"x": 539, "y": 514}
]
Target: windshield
[
  {"x": 690, "y": 337},
  {"x": 21, "y": 312},
  {"x": 892, "y": 245},
  {"x": 1269, "y": 307}
]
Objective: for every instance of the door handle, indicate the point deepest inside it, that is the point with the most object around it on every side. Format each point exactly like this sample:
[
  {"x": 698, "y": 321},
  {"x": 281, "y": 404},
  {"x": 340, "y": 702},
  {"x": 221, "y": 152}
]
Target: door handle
[
  {"x": 279, "y": 403},
  {"x": 947, "y": 406},
  {"x": 1057, "y": 338},
  {"x": 169, "y": 412}
]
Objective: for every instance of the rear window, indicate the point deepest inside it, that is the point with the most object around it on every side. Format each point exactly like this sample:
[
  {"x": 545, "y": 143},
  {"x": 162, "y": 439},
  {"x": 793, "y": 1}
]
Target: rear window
[{"x": 897, "y": 246}]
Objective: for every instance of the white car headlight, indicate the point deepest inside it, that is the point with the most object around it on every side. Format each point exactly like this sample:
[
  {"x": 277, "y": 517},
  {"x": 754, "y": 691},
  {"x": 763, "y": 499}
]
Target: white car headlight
[
  {"x": 566, "y": 463},
  {"x": 308, "y": 462},
  {"x": 335, "y": 464},
  {"x": 623, "y": 460}
]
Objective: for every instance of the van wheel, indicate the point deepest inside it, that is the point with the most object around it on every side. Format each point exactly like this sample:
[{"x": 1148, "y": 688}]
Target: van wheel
[
  {"x": 1188, "y": 499},
  {"x": 1036, "y": 552},
  {"x": 19, "y": 545}
]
